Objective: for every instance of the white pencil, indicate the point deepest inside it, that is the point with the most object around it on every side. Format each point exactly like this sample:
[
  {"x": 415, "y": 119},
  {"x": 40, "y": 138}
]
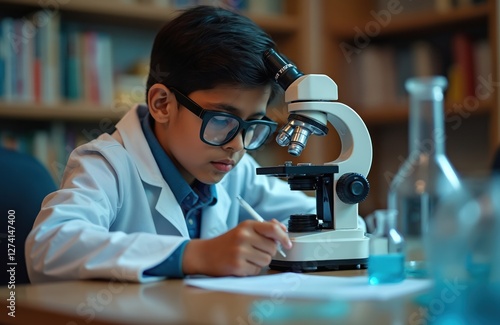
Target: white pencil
[{"x": 257, "y": 217}]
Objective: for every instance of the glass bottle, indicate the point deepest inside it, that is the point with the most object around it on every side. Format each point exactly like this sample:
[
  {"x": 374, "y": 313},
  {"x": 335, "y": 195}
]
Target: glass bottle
[
  {"x": 426, "y": 175},
  {"x": 386, "y": 258},
  {"x": 463, "y": 248}
]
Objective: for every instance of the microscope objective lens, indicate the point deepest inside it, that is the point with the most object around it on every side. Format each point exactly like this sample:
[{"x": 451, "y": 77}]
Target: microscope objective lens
[{"x": 283, "y": 139}]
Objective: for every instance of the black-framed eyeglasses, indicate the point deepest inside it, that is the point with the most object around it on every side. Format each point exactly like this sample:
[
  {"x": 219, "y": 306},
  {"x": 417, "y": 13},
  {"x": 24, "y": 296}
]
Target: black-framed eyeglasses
[{"x": 219, "y": 128}]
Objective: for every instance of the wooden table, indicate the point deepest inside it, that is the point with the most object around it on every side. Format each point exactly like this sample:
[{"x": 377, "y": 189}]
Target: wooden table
[{"x": 172, "y": 302}]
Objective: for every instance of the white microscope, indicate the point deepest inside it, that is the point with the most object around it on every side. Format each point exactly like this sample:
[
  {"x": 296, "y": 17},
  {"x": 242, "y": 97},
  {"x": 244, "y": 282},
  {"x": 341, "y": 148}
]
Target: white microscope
[{"x": 330, "y": 239}]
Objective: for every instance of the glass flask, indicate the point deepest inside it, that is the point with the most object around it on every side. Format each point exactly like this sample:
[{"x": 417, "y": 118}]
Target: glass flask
[
  {"x": 386, "y": 258},
  {"x": 463, "y": 247},
  {"x": 426, "y": 175}
]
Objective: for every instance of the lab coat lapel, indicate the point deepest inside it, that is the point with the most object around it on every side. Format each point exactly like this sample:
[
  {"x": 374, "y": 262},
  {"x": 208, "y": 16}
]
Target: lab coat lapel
[
  {"x": 168, "y": 207},
  {"x": 214, "y": 219},
  {"x": 132, "y": 138}
]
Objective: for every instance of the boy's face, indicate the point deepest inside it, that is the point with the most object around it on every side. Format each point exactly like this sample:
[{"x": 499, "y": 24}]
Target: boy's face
[{"x": 178, "y": 129}]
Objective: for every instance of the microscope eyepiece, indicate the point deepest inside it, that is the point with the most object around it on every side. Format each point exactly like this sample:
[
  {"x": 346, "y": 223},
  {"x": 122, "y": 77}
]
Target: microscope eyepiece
[
  {"x": 282, "y": 71},
  {"x": 301, "y": 125}
]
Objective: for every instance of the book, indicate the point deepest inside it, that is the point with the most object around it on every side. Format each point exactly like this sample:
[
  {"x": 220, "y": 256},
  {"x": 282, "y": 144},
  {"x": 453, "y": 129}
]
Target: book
[
  {"x": 8, "y": 59},
  {"x": 463, "y": 61},
  {"x": 444, "y": 5},
  {"x": 454, "y": 93},
  {"x": 483, "y": 69},
  {"x": 73, "y": 76},
  {"x": 25, "y": 87},
  {"x": 50, "y": 59},
  {"x": 377, "y": 81},
  {"x": 104, "y": 66},
  {"x": 2, "y": 61},
  {"x": 404, "y": 71},
  {"x": 423, "y": 58},
  {"x": 89, "y": 67}
]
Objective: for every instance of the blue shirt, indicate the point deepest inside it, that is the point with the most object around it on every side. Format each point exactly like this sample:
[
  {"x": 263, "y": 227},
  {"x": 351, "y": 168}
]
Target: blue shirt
[{"x": 190, "y": 198}]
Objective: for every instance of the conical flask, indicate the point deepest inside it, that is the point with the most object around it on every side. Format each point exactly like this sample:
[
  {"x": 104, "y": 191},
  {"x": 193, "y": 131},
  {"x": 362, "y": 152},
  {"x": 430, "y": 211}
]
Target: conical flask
[{"x": 427, "y": 175}]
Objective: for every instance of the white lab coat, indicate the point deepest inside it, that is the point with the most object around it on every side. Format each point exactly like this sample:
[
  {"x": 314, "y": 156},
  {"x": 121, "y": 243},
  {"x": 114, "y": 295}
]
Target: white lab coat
[{"x": 115, "y": 216}]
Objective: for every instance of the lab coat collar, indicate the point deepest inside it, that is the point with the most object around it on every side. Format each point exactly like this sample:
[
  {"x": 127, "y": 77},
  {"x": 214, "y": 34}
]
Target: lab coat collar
[
  {"x": 137, "y": 146},
  {"x": 214, "y": 220},
  {"x": 132, "y": 138}
]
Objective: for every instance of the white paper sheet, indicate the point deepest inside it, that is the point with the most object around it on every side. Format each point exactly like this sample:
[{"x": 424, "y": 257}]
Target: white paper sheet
[{"x": 298, "y": 285}]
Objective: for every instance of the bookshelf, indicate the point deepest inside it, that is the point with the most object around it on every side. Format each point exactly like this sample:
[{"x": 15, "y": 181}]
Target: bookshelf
[
  {"x": 66, "y": 112},
  {"x": 423, "y": 21},
  {"x": 124, "y": 22},
  {"x": 128, "y": 12},
  {"x": 386, "y": 116},
  {"x": 311, "y": 33},
  {"x": 367, "y": 26}
]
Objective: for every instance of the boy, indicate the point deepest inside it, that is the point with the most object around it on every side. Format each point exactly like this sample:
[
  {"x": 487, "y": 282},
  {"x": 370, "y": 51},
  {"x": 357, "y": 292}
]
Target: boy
[{"x": 157, "y": 198}]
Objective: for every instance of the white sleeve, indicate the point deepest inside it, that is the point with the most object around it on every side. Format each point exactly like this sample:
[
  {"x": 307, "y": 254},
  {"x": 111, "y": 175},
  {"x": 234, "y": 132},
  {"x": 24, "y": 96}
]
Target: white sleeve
[{"x": 71, "y": 237}]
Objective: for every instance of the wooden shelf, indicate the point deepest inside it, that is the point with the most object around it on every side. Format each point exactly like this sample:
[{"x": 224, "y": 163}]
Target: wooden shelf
[
  {"x": 421, "y": 21},
  {"x": 399, "y": 114},
  {"x": 276, "y": 24},
  {"x": 147, "y": 15},
  {"x": 77, "y": 112},
  {"x": 390, "y": 114}
]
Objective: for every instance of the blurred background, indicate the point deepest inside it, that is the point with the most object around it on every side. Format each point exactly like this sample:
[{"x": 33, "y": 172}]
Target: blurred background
[{"x": 69, "y": 69}]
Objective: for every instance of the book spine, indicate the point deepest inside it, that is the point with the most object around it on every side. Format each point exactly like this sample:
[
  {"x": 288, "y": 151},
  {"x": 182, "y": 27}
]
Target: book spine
[
  {"x": 9, "y": 56},
  {"x": 104, "y": 69},
  {"x": 50, "y": 61}
]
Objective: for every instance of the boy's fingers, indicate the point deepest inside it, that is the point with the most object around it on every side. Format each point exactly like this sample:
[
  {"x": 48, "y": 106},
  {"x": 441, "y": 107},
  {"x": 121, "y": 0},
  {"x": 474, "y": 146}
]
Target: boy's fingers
[
  {"x": 280, "y": 224},
  {"x": 274, "y": 231},
  {"x": 285, "y": 229},
  {"x": 260, "y": 258}
]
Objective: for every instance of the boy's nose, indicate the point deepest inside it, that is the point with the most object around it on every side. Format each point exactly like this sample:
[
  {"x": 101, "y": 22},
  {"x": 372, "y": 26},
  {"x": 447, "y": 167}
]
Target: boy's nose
[{"x": 236, "y": 144}]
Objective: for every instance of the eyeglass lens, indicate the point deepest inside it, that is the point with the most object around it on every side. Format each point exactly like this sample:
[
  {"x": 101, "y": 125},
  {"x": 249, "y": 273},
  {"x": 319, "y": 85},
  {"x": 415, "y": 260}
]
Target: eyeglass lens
[{"x": 222, "y": 129}]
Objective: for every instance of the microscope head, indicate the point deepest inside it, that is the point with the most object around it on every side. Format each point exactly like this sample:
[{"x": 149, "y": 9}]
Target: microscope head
[
  {"x": 300, "y": 88},
  {"x": 296, "y": 132}
]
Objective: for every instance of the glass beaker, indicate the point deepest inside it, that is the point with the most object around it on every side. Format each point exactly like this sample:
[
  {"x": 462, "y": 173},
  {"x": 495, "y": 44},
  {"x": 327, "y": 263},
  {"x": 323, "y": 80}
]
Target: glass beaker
[{"x": 386, "y": 259}]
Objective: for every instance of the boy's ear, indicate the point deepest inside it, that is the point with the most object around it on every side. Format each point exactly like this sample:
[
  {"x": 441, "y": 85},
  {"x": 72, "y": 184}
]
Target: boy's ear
[{"x": 160, "y": 102}]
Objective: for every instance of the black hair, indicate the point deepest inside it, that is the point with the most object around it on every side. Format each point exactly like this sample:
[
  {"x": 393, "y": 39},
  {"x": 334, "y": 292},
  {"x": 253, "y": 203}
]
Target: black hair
[{"x": 205, "y": 47}]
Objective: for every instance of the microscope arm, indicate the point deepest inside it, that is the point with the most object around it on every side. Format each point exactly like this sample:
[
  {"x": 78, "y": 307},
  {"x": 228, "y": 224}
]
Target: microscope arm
[
  {"x": 314, "y": 97},
  {"x": 356, "y": 146}
]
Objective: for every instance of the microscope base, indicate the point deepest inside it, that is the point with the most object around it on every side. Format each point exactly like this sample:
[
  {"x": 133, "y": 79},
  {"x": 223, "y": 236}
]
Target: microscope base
[
  {"x": 316, "y": 266},
  {"x": 325, "y": 250}
]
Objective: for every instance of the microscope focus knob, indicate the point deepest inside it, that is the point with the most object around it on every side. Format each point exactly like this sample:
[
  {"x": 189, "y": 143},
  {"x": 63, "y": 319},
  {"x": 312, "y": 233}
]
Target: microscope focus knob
[{"x": 352, "y": 188}]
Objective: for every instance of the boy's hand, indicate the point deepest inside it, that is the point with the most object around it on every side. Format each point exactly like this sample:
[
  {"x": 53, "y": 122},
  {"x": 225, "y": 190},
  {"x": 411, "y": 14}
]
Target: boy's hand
[{"x": 244, "y": 250}]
